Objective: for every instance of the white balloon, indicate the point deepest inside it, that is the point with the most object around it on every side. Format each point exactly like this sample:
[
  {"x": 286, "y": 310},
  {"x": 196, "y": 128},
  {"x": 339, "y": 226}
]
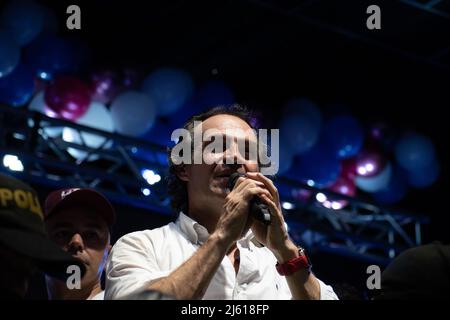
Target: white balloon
[
  {"x": 376, "y": 183},
  {"x": 38, "y": 104},
  {"x": 98, "y": 117},
  {"x": 133, "y": 113}
]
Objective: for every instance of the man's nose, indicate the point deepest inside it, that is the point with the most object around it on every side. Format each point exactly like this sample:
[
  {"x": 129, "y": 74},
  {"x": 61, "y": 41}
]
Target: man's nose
[
  {"x": 233, "y": 156},
  {"x": 76, "y": 244}
]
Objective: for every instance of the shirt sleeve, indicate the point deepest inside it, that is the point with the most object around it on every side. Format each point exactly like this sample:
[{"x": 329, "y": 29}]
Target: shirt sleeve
[{"x": 132, "y": 266}]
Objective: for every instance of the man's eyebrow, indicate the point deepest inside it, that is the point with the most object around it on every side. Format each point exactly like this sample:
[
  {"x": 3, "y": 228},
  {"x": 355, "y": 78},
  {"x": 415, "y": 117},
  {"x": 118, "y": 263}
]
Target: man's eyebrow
[
  {"x": 252, "y": 140},
  {"x": 94, "y": 225},
  {"x": 63, "y": 225}
]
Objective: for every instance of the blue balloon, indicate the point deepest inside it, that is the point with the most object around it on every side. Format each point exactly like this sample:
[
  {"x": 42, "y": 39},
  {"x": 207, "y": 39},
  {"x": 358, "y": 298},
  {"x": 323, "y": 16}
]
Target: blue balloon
[
  {"x": 300, "y": 133},
  {"x": 396, "y": 189},
  {"x": 344, "y": 135},
  {"x": 17, "y": 87},
  {"x": 285, "y": 159},
  {"x": 9, "y": 54},
  {"x": 169, "y": 88},
  {"x": 49, "y": 54},
  {"x": 304, "y": 108},
  {"x": 414, "y": 151},
  {"x": 425, "y": 177},
  {"x": 133, "y": 113},
  {"x": 209, "y": 95},
  {"x": 318, "y": 165},
  {"x": 300, "y": 126},
  {"x": 24, "y": 19}
]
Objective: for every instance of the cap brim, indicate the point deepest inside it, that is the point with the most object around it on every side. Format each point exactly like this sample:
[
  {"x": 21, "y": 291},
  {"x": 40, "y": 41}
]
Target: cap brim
[
  {"x": 87, "y": 198},
  {"x": 47, "y": 255}
]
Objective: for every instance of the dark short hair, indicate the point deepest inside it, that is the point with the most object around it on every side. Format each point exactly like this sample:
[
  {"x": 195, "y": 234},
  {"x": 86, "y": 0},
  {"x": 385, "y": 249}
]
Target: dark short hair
[{"x": 176, "y": 187}]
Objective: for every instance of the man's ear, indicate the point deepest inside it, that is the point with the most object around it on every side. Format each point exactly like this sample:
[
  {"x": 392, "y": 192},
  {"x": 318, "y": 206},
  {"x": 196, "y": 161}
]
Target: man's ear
[{"x": 182, "y": 172}]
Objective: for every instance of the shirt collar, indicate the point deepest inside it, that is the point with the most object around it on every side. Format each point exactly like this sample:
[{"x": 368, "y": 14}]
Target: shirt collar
[
  {"x": 194, "y": 231},
  {"x": 198, "y": 234}
]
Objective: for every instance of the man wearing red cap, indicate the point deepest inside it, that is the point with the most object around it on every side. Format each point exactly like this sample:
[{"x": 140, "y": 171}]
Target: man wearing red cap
[
  {"x": 24, "y": 245},
  {"x": 79, "y": 221}
]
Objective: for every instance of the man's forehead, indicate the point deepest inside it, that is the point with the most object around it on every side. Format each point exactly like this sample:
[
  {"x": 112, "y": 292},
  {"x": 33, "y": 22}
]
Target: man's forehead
[
  {"x": 76, "y": 216},
  {"x": 230, "y": 125}
]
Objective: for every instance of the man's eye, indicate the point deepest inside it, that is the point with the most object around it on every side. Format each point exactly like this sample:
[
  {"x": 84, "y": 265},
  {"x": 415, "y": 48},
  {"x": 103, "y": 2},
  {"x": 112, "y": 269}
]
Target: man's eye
[
  {"x": 91, "y": 235},
  {"x": 63, "y": 234}
]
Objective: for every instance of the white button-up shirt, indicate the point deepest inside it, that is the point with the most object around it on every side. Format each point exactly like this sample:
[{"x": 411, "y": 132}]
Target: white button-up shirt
[{"x": 140, "y": 258}]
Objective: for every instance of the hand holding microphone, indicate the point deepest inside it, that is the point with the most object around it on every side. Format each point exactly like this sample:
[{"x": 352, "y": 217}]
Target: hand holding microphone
[
  {"x": 257, "y": 196},
  {"x": 258, "y": 209}
]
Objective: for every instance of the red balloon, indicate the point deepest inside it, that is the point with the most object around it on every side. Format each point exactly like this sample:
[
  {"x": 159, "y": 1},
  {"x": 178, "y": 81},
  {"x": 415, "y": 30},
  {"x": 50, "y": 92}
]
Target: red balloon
[
  {"x": 68, "y": 97},
  {"x": 370, "y": 162},
  {"x": 344, "y": 186},
  {"x": 348, "y": 170}
]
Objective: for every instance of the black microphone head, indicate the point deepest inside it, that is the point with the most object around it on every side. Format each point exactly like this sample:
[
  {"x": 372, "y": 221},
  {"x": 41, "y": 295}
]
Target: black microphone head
[{"x": 233, "y": 178}]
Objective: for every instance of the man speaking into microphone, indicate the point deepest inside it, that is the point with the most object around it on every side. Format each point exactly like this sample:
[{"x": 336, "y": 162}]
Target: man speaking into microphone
[{"x": 229, "y": 240}]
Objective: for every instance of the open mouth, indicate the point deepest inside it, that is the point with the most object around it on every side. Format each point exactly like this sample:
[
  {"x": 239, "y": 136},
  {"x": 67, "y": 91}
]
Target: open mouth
[
  {"x": 222, "y": 176},
  {"x": 223, "y": 179}
]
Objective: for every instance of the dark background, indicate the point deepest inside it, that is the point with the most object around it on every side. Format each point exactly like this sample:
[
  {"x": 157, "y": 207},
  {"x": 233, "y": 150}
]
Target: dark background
[{"x": 271, "y": 51}]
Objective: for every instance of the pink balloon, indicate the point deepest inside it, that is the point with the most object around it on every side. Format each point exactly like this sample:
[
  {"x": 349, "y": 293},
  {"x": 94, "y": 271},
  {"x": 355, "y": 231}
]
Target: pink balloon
[
  {"x": 131, "y": 78},
  {"x": 378, "y": 131},
  {"x": 369, "y": 163},
  {"x": 383, "y": 135},
  {"x": 68, "y": 97},
  {"x": 105, "y": 86}
]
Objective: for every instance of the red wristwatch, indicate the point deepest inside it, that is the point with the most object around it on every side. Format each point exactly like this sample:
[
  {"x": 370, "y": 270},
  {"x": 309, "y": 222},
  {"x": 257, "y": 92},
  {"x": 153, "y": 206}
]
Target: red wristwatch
[{"x": 293, "y": 265}]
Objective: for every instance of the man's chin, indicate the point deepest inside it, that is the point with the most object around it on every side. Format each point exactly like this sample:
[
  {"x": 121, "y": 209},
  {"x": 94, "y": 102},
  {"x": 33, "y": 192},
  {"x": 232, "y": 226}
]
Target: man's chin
[{"x": 221, "y": 192}]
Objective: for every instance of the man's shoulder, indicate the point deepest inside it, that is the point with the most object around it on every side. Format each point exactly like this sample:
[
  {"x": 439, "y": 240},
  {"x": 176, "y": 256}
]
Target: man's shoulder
[{"x": 149, "y": 234}]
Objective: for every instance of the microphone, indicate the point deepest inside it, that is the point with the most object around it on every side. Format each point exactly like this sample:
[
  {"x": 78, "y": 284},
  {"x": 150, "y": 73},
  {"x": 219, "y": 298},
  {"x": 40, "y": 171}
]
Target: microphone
[{"x": 258, "y": 209}]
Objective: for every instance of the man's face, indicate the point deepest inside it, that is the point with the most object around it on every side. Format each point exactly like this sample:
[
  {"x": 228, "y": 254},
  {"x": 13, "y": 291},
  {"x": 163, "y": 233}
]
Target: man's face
[
  {"x": 207, "y": 183},
  {"x": 85, "y": 235}
]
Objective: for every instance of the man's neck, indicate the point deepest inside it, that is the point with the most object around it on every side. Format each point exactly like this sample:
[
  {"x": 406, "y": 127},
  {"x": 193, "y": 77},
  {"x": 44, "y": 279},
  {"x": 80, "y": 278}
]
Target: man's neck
[
  {"x": 206, "y": 218},
  {"x": 58, "y": 290}
]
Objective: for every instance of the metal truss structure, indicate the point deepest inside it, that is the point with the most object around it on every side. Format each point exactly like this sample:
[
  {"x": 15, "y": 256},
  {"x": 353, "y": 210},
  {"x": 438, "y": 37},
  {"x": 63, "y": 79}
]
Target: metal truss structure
[
  {"x": 359, "y": 229},
  {"x": 114, "y": 167}
]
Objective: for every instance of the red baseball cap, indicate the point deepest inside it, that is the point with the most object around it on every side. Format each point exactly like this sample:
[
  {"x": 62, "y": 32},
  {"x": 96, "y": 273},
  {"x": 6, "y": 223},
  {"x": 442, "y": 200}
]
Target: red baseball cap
[{"x": 79, "y": 197}]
